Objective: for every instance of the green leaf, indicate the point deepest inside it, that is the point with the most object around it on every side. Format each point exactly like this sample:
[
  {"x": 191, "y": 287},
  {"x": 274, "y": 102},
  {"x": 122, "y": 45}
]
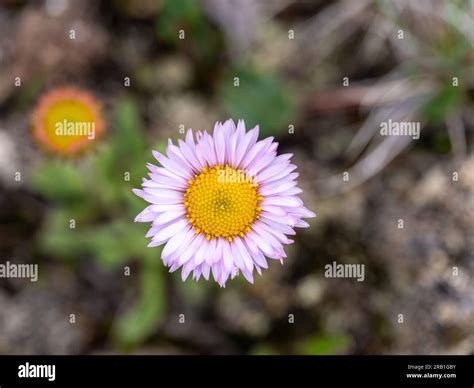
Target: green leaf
[
  {"x": 263, "y": 350},
  {"x": 107, "y": 244},
  {"x": 259, "y": 99},
  {"x": 145, "y": 316},
  {"x": 176, "y": 15},
  {"x": 116, "y": 242},
  {"x": 128, "y": 141},
  {"x": 59, "y": 180},
  {"x": 453, "y": 45},
  {"x": 325, "y": 344},
  {"x": 445, "y": 101},
  {"x": 58, "y": 239},
  {"x": 111, "y": 244},
  {"x": 203, "y": 41}
]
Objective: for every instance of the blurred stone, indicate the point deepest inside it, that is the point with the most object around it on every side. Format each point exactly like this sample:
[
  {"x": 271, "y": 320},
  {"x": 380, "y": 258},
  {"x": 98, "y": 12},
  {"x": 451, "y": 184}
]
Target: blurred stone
[
  {"x": 240, "y": 316},
  {"x": 35, "y": 321},
  {"x": 56, "y": 7},
  {"x": 437, "y": 236},
  {"x": 9, "y": 160},
  {"x": 188, "y": 110},
  {"x": 309, "y": 291},
  {"x": 43, "y": 44},
  {"x": 272, "y": 50},
  {"x": 168, "y": 74},
  {"x": 431, "y": 188}
]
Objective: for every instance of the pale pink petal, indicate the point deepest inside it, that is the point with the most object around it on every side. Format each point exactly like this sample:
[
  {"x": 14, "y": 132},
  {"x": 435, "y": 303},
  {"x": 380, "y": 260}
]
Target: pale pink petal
[
  {"x": 179, "y": 239},
  {"x": 178, "y": 169},
  {"x": 244, "y": 254},
  {"x": 165, "y": 234},
  {"x": 276, "y": 188},
  {"x": 256, "y": 151},
  {"x": 282, "y": 209},
  {"x": 219, "y": 144},
  {"x": 280, "y": 200}
]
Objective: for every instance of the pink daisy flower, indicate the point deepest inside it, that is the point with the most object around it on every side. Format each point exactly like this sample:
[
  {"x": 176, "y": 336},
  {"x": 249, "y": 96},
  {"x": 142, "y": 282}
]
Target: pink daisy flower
[{"x": 222, "y": 203}]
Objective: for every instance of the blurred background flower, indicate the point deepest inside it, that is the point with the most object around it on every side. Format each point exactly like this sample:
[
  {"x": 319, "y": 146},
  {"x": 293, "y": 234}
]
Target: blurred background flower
[
  {"x": 320, "y": 76},
  {"x": 67, "y": 121}
]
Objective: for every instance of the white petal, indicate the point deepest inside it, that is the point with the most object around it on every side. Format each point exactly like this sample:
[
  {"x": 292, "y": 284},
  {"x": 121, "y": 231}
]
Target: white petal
[
  {"x": 260, "y": 260},
  {"x": 301, "y": 224},
  {"x": 218, "y": 254},
  {"x": 227, "y": 255},
  {"x": 177, "y": 169},
  {"x": 238, "y": 260},
  {"x": 175, "y": 242},
  {"x": 205, "y": 271},
  {"x": 146, "y": 215},
  {"x": 260, "y": 163},
  {"x": 280, "y": 200},
  {"x": 197, "y": 273},
  {"x": 264, "y": 232},
  {"x": 281, "y": 168},
  {"x": 256, "y": 151},
  {"x": 187, "y": 150},
  {"x": 244, "y": 146},
  {"x": 278, "y": 224},
  {"x": 166, "y": 208},
  {"x": 164, "y": 193},
  {"x": 303, "y": 212},
  {"x": 260, "y": 243},
  {"x": 191, "y": 249},
  {"x": 168, "y": 232},
  {"x": 236, "y": 141},
  {"x": 165, "y": 186},
  {"x": 162, "y": 200},
  {"x": 164, "y": 218},
  {"x": 187, "y": 268},
  {"x": 207, "y": 148},
  {"x": 248, "y": 275},
  {"x": 275, "y": 210},
  {"x": 167, "y": 173},
  {"x": 174, "y": 153},
  {"x": 244, "y": 254},
  {"x": 257, "y": 255},
  {"x": 292, "y": 191},
  {"x": 219, "y": 144},
  {"x": 216, "y": 272},
  {"x": 211, "y": 250},
  {"x": 277, "y": 187}
]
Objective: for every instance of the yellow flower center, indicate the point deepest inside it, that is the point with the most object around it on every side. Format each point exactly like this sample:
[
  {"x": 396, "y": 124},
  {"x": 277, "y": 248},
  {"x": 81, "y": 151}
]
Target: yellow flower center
[
  {"x": 222, "y": 202},
  {"x": 67, "y": 121},
  {"x": 69, "y": 112}
]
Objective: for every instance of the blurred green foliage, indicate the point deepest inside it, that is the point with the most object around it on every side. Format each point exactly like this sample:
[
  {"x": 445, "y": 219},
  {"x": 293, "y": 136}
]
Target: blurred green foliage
[
  {"x": 200, "y": 39},
  {"x": 176, "y": 15},
  {"x": 143, "y": 318},
  {"x": 259, "y": 99},
  {"x": 318, "y": 344},
  {"x": 447, "y": 99},
  {"x": 263, "y": 349},
  {"x": 452, "y": 49},
  {"x": 447, "y": 54},
  {"x": 96, "y": 192},
  {"x": 322, "y": 344},
  {"x": 450, "y": 52}
]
